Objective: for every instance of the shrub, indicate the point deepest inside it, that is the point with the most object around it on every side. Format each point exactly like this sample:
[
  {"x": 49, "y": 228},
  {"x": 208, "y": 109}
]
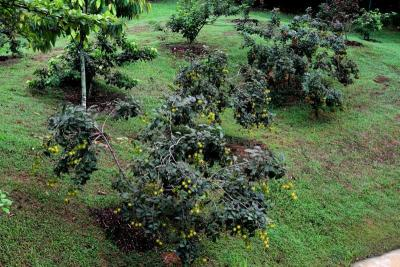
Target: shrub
[
  {"x": 71, "y": 143},
  {"x": 251, "y": 99},
  {"x": 290, "y": 52},
  {"x": 340, "y": 14},
  {"x": 369, "y": 22},
  {"x": 128, "y": 108},
  {"x": 185, "y": 183},
  {"x": 319, "y": 92},
  {"x": 5, "y": 203},
  {"x": 188, "y": 184},
  {"x": 193, "y": 15}
]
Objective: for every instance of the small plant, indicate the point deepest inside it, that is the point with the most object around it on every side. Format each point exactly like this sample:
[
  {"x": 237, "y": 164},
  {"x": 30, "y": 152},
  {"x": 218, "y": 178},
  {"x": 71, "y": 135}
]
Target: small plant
[
  {"x": 369, "y": 22},
  {"x": 5, "y": 203},
  {"x": 126, "y": 109}
]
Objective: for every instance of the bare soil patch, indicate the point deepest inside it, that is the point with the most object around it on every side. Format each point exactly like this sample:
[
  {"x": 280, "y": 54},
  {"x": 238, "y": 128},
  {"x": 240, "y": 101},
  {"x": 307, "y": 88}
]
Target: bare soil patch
[
  {"x": 139, "y": 29},
  {"x": 353, "y": 43},
  {"x": 240, "y": 147},
  {"x": 8, "y": 60},
  {"x": 44, "y": 57},
  {"x": 381, "y": 79},
  {"x": 188, "y": 50},
  {"x": 99, "y": 100},
  {"x": 120, "y": 232}
]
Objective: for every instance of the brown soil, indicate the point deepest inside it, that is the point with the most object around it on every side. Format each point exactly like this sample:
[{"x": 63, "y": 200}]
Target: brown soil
[
  {"x": 238, "y": 148},
  {"x": 239, "y": 21},
  {"x": 139, "y": 29},
  {"x": 22, "y": 200},
  {"x": 381, "y": 79},
  {"x": 170, "y": 259},
  {"x": 44, "y": 57},
  {"x": 353, "y": 43},
  {"x": 8, "y": 60},
  {"x": 122, "y": 234},
  {"x": 188, "y": 50},
  {"x": 100, "y": 100}
]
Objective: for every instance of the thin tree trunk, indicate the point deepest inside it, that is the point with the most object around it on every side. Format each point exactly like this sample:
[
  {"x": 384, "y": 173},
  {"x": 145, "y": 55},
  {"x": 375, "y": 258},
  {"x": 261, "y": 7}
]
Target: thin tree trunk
[{"x": 83, "y": 78}]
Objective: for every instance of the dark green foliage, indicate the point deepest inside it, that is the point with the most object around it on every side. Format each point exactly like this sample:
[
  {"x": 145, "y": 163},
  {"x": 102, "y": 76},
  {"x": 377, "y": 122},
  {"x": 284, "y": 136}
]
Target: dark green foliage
[
  {"x": 101, "y": 58},
  {"x": 71, "y": 143},
  {"x": 251, "y": 99},
  {"x": 9, "y": 30},
  {"x": 128, "y": 108},
  {"x": 189, "y": 184},
  {"x": 339, "y": 14},
  {"x": 319, "y": 92},
  {"x": 120, "y": 80},
  {"x": 292, "y": 51}
]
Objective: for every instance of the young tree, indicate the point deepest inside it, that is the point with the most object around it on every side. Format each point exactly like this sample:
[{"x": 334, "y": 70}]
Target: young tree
[
  {"x": 43, "y": 21},
  {"x": 193, "y": 15}
]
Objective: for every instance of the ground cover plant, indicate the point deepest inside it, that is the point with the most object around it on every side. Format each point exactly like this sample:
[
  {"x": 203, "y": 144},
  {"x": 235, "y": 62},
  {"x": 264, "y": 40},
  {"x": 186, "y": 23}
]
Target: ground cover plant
[{"x": 344, "y": 169}]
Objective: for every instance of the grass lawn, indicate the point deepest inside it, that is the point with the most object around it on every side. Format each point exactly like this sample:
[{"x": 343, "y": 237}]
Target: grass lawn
[{"x": 346, "y": 166}]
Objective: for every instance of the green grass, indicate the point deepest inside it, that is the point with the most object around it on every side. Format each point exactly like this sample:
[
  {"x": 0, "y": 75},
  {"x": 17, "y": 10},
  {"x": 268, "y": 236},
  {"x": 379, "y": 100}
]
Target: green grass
[{"x": 346, "y": 166}]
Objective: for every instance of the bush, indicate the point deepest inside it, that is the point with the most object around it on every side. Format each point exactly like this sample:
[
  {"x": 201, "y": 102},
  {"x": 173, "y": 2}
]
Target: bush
[
  {"x": 71, "y": 143},
  {"x": 185, "y": 183},
  {"x": 319, "y": 92},
  {"x": 292, "y": 51},
  {"x": 5, "y": 203},
  {"x": 193, "y": 15},
  {"x": 370, "y": 22},
  {"x": 340, "y": 14},
  {"x": 251, "y": 99},
  {"x": 125, "y": 109},
  {"x": 188, "y": 184}
]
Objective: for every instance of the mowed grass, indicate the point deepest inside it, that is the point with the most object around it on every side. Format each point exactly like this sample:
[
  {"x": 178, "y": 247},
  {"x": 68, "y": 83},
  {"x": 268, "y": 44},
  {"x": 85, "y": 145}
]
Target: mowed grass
[{"x": 345, "y": 166}]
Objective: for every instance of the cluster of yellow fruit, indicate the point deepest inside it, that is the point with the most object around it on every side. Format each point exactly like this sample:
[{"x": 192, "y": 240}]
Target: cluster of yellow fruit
[
  {"x": 211, "y": 118},
  {"x": 196, "y": 209},
  {"x": 188, "y": 186},
  {"x": 290, "y": 186},
  {"x": 70, "y": 195},
  {"x": 193, "y": 75},
  {"x": 51, "y": 183},
  {"x": 265, "y": 188},
  {"x": 192, "y": 233},
  {"x": 198, "y": 157},
  {"x": 159, "y": 242},
  {"x": 54, "y": 149},
  {"x": 158, "y": 192},
  {"x": 117, "y": 211},
  {"x": 136, "y": 224},
  {"x": 239, "y": 232},
  {"x": 264, "y": 238}
]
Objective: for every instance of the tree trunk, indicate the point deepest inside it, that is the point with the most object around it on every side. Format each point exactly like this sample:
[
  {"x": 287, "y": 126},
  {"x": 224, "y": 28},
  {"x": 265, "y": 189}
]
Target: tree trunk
[{"x": 83, "y": 78}]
